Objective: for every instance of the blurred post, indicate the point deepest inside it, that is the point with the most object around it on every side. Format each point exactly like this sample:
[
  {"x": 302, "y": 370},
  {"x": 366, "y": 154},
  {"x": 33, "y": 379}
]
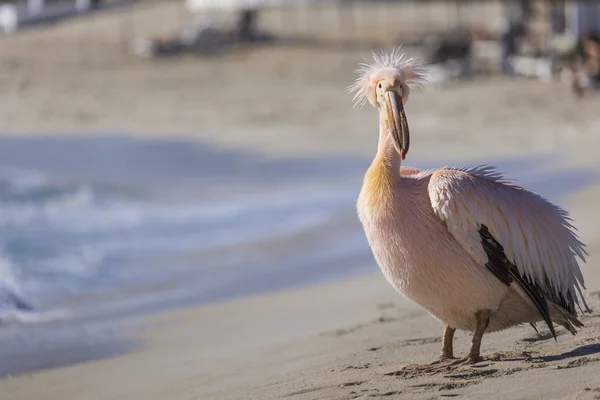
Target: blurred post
[
  {"x": 410, "y": 16},
  {"x": 182, "y": 17},
  {"x": 340, "y": 23},
  {"x": 245, "y": 29},
  {"x": 303, "y": 16},
  {"x": 127, "y": 26},
  {"x": 461, "y": 21},
  {"x": 382, "y": 16},
  {"x": 347, "y": 23},
  {"x": 292, "y": 19}
]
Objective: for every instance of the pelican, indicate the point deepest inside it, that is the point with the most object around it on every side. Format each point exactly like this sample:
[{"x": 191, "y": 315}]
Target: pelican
[{"x": 475, "y": 250}]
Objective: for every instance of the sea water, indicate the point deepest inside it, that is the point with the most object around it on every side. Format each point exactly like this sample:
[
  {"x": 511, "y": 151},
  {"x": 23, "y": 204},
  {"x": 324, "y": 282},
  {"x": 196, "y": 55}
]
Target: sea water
[{"x": 97, "y": 227}]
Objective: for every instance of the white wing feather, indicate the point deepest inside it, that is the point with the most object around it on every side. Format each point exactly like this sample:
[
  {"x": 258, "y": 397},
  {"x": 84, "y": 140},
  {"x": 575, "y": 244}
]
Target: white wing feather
[{"x": 537, "y": 235}]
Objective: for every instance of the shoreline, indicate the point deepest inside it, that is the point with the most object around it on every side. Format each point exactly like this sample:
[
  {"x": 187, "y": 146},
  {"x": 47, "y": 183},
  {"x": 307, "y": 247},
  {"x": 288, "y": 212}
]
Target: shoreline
[
  {"x": 263, "y": 346},
  {"x": 336, "y": 339}
]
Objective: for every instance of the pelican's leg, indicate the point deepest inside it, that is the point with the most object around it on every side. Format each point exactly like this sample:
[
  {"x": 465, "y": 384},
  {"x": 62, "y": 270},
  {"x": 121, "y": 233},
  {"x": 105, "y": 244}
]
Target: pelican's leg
[
  {"x": 446, "y": 358},
  {"x": 447, "y": 339},
  {"x": 448, "y": 361},
  {"x": 483, "y": 320}
]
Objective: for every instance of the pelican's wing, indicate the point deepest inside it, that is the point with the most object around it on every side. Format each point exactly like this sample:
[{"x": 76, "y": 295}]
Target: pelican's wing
[{"x": 518, "y": 235}]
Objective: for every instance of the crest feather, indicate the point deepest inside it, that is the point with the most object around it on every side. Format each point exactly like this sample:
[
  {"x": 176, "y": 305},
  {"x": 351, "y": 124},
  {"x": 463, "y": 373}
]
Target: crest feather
[{"x": 409, "y": 67}]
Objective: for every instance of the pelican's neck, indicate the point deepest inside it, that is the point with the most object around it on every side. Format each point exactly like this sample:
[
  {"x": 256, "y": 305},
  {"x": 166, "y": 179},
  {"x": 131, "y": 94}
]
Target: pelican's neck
[
  {"x": 387, "y": 157},
  {"x": 379, "y": 191}
]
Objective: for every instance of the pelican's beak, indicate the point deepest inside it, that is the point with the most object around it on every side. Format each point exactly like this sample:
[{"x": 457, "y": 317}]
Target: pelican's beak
[{"x": 398, "y": 125}]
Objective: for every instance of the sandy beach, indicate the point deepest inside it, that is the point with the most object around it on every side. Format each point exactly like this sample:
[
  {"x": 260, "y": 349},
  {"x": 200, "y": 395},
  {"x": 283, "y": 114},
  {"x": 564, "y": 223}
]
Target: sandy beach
[{"x": 335, "y": 340}]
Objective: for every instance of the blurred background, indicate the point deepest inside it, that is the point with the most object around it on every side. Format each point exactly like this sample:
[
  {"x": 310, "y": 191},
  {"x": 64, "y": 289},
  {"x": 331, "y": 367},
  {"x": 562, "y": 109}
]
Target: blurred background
[{"x": 159, "y": 154}]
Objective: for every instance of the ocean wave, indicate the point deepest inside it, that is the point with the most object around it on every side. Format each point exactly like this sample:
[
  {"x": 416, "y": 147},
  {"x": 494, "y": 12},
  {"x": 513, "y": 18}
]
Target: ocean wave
[
  {"x": 65, "y": 238},
  {"x": 28, "y": 197},
  {"x": 14, "y": 308},
  {"x": 10, "y": 291},
  {"x": 11, "y": 316}
]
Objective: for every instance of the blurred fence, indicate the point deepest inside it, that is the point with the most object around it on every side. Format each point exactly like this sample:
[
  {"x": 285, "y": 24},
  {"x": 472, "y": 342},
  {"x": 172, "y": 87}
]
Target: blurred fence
[
  {"x": 372, "y": 23},
  {"x": 367, "y": 22},
  {"x": 383, "y": 21}
]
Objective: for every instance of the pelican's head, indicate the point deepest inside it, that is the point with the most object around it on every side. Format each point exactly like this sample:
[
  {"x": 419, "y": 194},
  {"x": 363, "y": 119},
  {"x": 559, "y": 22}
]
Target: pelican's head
[{"x": 385, "y": 81}]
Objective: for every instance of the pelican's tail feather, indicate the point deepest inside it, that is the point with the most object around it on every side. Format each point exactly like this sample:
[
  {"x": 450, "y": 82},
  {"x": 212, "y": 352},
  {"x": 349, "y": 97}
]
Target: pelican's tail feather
[{"x": 564, "y": 318}]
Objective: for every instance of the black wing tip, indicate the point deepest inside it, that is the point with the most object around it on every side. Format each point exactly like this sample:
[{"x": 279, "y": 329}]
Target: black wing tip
[
  {"x": 497, "y": 260},
  {"x": 507, "y": 272}
]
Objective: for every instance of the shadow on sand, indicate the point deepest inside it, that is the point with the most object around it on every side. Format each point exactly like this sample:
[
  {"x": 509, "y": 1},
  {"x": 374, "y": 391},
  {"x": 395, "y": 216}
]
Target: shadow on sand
[{"x": 586, "y": 350}]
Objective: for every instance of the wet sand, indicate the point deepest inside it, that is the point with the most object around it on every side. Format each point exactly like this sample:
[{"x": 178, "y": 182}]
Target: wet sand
[{"x": 336, "y": 341}]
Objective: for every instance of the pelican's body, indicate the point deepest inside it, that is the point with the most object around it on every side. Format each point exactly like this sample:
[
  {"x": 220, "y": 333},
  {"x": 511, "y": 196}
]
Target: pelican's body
[
  {"x": 422, "y": 260},
  {"x": 479, "y": 253},
  {"x": 417, "y": 254}
]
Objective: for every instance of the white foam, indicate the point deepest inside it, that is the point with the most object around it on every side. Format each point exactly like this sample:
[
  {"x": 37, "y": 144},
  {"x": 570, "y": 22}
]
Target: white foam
[{"x": 21, "y": 317}]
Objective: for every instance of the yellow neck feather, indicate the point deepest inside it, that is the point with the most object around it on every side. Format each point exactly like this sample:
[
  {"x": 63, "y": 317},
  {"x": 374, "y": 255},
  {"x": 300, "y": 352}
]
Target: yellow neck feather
[
  {"x": 379, "y": 184},
  {"x": 378, "y": 187}
]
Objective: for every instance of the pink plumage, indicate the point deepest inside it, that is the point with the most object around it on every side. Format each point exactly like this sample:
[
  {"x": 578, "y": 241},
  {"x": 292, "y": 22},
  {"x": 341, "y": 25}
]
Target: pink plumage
[{"x": 478, "y": 252}]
